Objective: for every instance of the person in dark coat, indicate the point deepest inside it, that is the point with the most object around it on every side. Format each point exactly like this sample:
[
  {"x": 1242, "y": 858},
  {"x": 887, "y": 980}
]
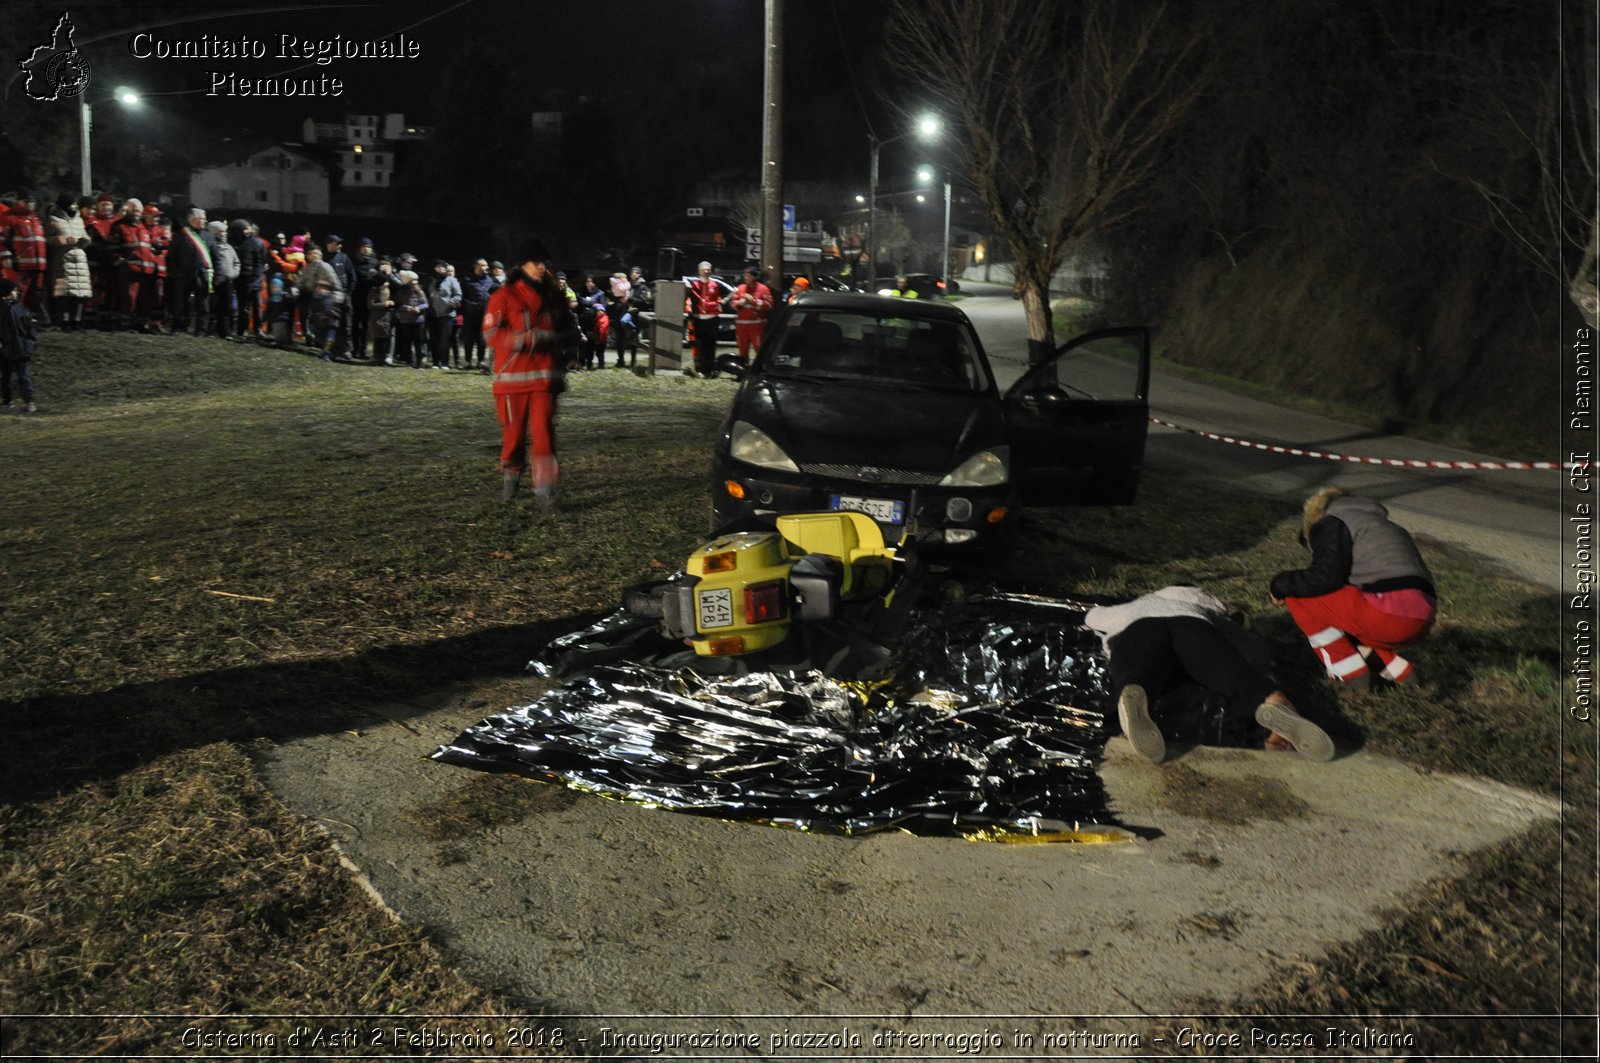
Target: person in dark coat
[
  {"x": 101, "y": 261},
  {"x": 474, "y": 300},
  {"x": 366, "y": 265},
  {"x": 253, "y": 264},
  {"x": 1366, "y": 589},
  {"x": 444, "y": 298},
  {"x": 190, "y": 274},
  {"x": 18, "y": 330}
]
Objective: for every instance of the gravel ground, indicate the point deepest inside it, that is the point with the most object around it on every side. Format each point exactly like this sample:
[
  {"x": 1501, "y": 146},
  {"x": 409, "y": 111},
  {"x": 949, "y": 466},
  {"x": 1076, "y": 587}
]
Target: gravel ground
[{"x": 622, "y": 916}]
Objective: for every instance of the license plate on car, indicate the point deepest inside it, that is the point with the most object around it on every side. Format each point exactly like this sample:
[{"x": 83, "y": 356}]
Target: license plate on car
[
  {"x": 716, "y": 608},
  {"x": 882, "y": 510}
]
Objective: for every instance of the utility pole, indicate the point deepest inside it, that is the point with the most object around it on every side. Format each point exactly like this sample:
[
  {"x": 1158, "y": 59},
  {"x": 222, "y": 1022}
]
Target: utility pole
[{"x": 772, "y": 234}]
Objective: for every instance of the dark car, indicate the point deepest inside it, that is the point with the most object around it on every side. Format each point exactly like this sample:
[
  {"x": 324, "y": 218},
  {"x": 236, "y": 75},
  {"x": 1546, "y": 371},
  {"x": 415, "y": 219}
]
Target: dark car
[
  {"x": 828, "y": 282},
  {"x": 925, "y": 285},
  {"x": 888, "y": 406}
]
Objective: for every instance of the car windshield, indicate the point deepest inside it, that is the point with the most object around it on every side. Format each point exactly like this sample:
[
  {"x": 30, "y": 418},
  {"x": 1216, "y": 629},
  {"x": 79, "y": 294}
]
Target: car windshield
[{"x": 835, "y": 344}]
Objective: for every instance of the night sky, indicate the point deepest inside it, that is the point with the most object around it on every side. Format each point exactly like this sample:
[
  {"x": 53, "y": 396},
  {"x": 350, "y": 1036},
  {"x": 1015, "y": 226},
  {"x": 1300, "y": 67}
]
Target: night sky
[{"x": 681, "y": 80}]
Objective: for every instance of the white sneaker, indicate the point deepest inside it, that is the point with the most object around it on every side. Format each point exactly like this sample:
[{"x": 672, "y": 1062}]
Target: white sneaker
[
  {"x": 1133, "y": 712},
  {"x": 1309, "y": 740}
]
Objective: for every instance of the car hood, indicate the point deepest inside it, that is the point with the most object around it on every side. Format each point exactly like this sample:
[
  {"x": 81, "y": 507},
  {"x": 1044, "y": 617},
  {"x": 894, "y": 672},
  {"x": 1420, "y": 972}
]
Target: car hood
[{"x": 850, "y": 423}]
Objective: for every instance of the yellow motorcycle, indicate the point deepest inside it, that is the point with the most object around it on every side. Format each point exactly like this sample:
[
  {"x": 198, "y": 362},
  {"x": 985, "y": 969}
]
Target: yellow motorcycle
[{"x": 743, "y": 591}]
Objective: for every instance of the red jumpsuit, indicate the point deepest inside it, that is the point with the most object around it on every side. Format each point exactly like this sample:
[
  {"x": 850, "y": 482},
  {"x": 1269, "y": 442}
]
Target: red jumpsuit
[
  {"x": 135, "y": 263},
  {"x": 154, "y": 297},
  {"x": 752, "y": 302},
  {"x": 24, "y": 234},
  {"x": 519, "y": 329}
]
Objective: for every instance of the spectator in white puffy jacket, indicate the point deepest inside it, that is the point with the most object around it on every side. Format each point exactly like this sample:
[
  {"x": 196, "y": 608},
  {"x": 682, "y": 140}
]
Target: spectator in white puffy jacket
[{"x": 70, "y": 283}]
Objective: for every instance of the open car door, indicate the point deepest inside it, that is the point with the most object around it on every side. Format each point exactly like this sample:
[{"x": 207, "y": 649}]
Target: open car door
[{"x": 1078, "y": 420}]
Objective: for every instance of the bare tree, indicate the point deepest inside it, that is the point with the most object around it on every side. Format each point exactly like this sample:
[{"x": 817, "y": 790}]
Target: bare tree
[
  {"x": 1522, "y": 136},
  {"x": 1063, "y": 109}
]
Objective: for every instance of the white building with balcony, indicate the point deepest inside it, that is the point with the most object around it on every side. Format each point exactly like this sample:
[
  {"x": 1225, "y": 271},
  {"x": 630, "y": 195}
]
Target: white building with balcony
[
  {"x": 276, "y": 178},
  {"x": 363, "y": 146}
]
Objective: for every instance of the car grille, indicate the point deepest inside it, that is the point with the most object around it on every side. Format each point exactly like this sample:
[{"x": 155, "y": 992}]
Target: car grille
[{"x": 872, "y": 474}]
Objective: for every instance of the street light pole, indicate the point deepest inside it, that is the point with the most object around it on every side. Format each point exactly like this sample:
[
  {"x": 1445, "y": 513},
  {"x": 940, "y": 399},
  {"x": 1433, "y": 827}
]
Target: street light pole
[
  {"x": 773, "y": 238},
  {"x": 927, "y": 128},
  {"x": 84, "y": 122},
  {"x": 124, "y": 96},
  {"x": 926, "y": 174},
  {"x": 944, "y": 263},
  {"x": 872, "y": 213}
]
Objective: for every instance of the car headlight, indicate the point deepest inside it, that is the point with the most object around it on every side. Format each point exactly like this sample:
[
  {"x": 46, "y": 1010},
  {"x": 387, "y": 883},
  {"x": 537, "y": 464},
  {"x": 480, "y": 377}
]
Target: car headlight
[
  {"x": 987, "y": 468},
  {"x": 750, "y": 444}
]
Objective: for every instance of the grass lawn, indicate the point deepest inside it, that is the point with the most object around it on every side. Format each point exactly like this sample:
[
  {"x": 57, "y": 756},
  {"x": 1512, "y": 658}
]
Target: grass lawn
[{"x": 210, "y": 545}]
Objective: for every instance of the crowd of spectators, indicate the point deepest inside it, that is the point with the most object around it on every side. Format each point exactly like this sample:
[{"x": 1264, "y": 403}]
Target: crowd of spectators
[{"x": 90, "y": 262}]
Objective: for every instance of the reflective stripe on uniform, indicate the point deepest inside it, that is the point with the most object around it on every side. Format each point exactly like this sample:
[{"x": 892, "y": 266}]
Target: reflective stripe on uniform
[
  {"x": 1325, "y": 636},
  {"x": 1396, "y": 668},
  {"x": 1347, "y": 667},
  {"x": 514, "y": 378}
]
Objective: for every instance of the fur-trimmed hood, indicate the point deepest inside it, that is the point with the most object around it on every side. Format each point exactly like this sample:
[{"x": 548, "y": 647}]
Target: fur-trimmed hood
[{"x": 1316, "y": 508}]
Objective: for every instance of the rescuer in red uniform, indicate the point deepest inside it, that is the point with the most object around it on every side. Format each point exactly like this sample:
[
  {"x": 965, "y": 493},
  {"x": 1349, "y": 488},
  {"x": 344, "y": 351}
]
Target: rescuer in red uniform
[
  {"x": 527, "y": 324},
  {"x": 24, "y": 234},
  {"x": 752, "y": 302}
]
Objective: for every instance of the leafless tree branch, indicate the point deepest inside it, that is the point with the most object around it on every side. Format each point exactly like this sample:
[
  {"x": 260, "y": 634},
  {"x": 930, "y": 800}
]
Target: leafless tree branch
[{"x": 1064, "y": 108}]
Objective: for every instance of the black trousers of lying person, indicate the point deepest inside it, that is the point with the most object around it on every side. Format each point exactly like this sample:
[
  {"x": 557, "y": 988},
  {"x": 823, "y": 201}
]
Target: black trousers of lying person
[{"x": 1163, "y": 653}]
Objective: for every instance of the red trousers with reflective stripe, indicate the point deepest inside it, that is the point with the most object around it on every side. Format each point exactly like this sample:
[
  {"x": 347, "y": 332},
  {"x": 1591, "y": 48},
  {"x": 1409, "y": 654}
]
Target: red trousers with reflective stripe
[
  {"x": 527, "y": 421},
  {"x": 1331, "y": 621},
  {"x": 748, "y": 333}
]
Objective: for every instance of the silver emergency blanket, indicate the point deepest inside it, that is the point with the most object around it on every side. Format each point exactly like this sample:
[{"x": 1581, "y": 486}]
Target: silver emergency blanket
[{"x": 988, "y": 713}]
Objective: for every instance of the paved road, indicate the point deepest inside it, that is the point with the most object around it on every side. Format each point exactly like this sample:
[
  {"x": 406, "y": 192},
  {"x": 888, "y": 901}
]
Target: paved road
[{"x": 1511, "y": 516}]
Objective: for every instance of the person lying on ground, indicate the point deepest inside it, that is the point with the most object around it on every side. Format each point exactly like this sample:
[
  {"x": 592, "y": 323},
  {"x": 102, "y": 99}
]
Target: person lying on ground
[{"x": 1179, "y": 635}]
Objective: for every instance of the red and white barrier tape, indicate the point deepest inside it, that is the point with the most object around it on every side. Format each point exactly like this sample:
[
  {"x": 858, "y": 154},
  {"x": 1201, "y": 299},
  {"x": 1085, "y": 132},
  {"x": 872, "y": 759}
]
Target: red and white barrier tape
[{"x": 1409, "y": 463}]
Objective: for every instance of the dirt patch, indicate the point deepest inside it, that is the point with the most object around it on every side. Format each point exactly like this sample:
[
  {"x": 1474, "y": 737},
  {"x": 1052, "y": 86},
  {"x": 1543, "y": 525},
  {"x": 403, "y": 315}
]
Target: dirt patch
[
  {"x": 1230, "y": 802},
  {"x": 484, "y": 802}
]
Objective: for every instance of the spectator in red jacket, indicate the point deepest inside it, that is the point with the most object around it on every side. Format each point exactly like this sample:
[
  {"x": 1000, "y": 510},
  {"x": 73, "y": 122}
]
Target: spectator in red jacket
[
  {"x": 527, "y": 324},
  {"x": 24, "y": 235}
]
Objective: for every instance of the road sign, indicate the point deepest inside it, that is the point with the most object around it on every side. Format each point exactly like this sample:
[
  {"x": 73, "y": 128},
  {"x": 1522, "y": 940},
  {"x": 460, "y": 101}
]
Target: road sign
[
  {"x": 797, "y": 247},
  {"x": 788, "y": 217}
]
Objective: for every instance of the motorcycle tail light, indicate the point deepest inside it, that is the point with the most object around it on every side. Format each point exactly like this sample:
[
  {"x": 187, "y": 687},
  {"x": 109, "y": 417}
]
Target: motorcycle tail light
[
  {"x": 726, "y": 647},
  {"x": 723, "y": 562},
  {"x": 734, "y": 488},
  {"x": 765, "y": 601}
]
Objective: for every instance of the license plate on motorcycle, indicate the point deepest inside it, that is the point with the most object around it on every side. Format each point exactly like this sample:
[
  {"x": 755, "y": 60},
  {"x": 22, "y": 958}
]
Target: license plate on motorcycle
[
  {"x": 715, "y": 607},
  {"x": 882, "y": 510}
]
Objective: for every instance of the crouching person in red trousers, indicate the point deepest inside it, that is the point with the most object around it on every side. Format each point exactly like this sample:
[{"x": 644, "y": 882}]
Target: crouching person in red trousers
[
  {"x": 1367, "y": 589},
  {"x": 527, "y": 324}
]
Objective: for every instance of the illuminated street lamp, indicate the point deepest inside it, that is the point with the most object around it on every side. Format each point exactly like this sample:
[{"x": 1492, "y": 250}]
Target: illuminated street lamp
[
  {"x": 925, "y": 175},
  {"x": 927, "y": 128},
  {"x": 125, "y": 96}
]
